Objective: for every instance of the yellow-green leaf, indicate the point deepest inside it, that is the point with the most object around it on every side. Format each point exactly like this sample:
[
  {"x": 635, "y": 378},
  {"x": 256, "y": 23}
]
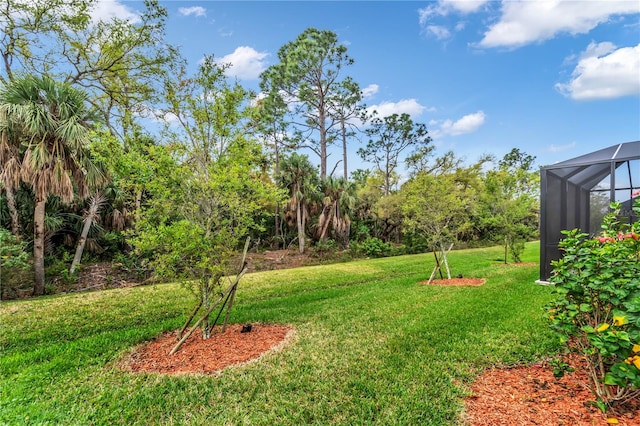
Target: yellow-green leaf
[{"x": 619, "y": 320}]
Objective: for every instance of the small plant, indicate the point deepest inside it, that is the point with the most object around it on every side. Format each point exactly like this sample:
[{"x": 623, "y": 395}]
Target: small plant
[
  {"x": 560, "y": 368},
  {"x": 597, "y": 310},
  {"x": 516, "y": 248}
]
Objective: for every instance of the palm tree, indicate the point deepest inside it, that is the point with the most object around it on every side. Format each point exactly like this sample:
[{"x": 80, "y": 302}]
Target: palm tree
[
  {"x": 10, "y": 173},
  {"x": 299, "y": 176},
  {"x": 54, "y": 121},
  {"x": 339, "y": 199}
]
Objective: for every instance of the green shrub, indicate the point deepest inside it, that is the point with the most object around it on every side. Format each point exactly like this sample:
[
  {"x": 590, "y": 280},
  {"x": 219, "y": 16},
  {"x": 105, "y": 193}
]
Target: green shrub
[
  {"x": 374, "y": 247},
  {"x": 326, "y": 246},
  {"x": 516, "y": 248},
  {"x": 597, "y": 309},
  {"x": 13, "y": 265}
]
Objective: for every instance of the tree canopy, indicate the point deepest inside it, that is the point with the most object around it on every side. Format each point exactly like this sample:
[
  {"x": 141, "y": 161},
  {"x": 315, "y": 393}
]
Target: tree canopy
[{"x": 183, "y": 162}]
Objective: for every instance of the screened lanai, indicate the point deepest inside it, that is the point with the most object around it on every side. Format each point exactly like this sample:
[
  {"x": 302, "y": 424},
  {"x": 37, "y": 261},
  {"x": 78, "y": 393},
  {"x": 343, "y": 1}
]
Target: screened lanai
[{"x": 576, "y": 193}]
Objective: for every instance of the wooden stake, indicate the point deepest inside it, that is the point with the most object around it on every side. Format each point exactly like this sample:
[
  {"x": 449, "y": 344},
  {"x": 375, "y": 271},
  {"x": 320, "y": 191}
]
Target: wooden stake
[
  {"x": 206, "y": 314},
  {"x": 186, "y": 324},
  {"x": 231, "y": 289},
  {"x": 233, "y": 292}
]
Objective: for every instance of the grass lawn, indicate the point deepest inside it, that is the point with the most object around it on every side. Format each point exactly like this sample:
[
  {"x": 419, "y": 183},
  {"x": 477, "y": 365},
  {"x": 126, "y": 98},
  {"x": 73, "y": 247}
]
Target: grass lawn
[{"x": 372, "y": 347}]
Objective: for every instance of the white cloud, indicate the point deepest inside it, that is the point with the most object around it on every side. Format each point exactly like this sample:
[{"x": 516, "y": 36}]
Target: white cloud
[
  {"x": 464, "y": 6},
  {"x": 405, "y": 106},
  {"x": 438, "y": 31},
  {"x": 105, "y": 10},
  {"x": 467, "y": 124},
  {"x": 524, "y": 22},
  {"x": 604, "y": 72},
  {"x": 560, "y": 148},
  {"x": 246, "y": 63},
  {"x": 460, "y": 26},
  {"x": 194, "y": 10},
  {"x": 370, "y": 90},
  {"x": 446, "y": 7}
]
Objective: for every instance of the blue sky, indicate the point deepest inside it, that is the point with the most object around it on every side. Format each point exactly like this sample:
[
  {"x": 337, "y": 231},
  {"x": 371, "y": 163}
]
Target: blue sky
[{"x": 556, "y": 79}]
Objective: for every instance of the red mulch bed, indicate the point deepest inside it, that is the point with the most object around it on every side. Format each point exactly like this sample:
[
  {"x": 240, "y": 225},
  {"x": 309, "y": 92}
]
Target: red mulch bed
[
  {"x": 527, "y": 395},
  {"x": 200, "y": 356},
  {"x": 456, "y": 282},
  {"x": 531, "y": 395}
]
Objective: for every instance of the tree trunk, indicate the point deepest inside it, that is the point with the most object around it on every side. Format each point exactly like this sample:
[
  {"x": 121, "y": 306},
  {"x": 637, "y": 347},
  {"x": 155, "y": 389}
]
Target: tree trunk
[
  {"x": 277, "y": 213},
  {"x": 323, "y": 145},
  {"x": 277, "y": 225},
  {"x": 13, "y": 211},
  {"x": 300, "y": 224},
  {"x": 325, "y": 219},
  {"x": 344, "y": 149},
  {"x": 96, "y": 202},
  {"x": 506, "y": 247},
  {"x": 38, "y": 247}
]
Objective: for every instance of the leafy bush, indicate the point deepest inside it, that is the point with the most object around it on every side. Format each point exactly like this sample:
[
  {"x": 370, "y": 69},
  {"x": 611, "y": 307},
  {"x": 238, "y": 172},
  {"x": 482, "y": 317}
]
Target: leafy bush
[
  {"x": 597, "y": 310},
  {"x": 13, "y": 260},
  {"x": 326, "y": 246},
  {"x": 516, "y": 248},
  {"x": 374, "y": 247},
  {"x": 12, "y": 251}
]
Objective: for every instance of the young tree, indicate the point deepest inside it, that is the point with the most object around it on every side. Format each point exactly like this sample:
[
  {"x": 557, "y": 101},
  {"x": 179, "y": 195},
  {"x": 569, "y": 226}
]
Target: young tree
[
  {"x": 206, "y": 193},
  {"x": 389, "y": 138},
  {"x": 54, "y": 120},
  {"x": 210, "y": 111},
  {"x": 438, "y": 209},
  {"x": 509, "y": 202},
  {"x": 308, "y": 79}
]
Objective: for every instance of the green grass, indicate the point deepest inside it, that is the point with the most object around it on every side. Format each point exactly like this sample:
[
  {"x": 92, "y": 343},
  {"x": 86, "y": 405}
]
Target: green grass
[{"x": 372, "y": 347}]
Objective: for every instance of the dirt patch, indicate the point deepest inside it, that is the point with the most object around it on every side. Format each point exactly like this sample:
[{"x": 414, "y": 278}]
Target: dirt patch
[
  {"x": 531, "y": 395},
  {"x": 279, "y": 259},
  {"x": 457, "y": 282},
  {"x": 200, "y": 356}
]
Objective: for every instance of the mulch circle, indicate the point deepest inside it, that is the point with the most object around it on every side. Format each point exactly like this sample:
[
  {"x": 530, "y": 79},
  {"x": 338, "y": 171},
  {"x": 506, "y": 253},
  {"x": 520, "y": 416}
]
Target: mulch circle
[
  {"x": 456, "y": 282},
  {"x": 531, "y": 395},
  {"x": 208, "y": 356},
  {"x": 526, "y": 395}
]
